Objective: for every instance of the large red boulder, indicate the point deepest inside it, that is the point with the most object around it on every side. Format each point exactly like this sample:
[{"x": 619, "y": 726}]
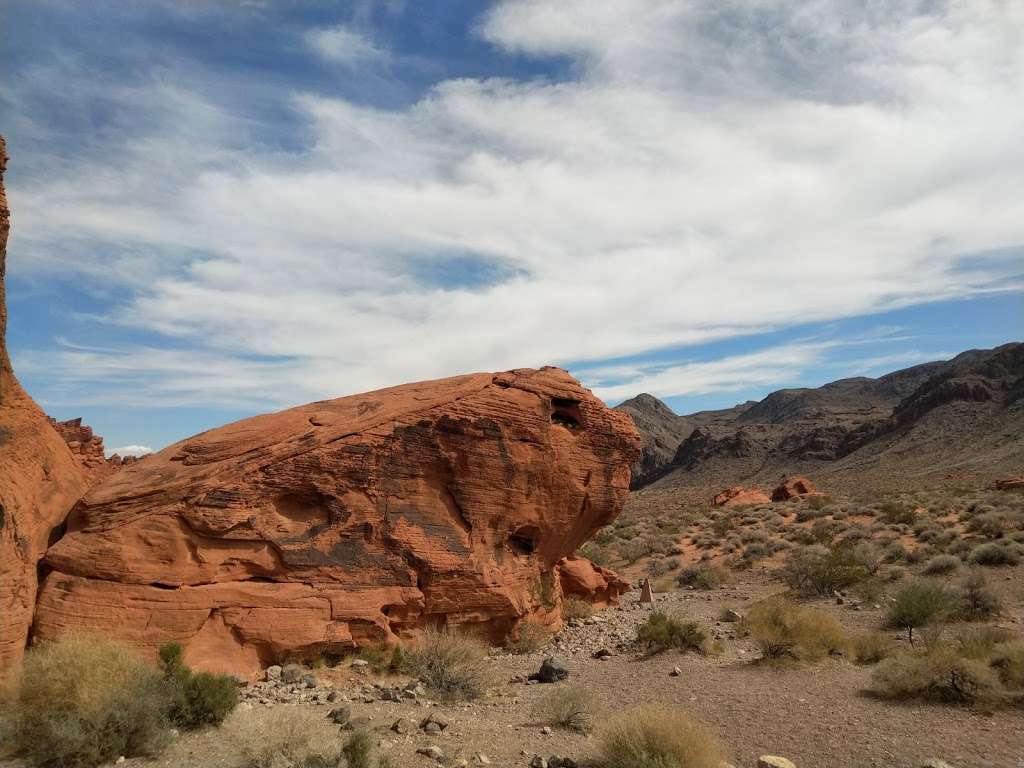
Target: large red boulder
[
  {"x": 588, "y": 581},
  {"x": 738, "y": 496},
  {"x": 1008, "y": 483},
  {"x": 340, "y": 522},
  {"x": 40, "y": 480},
  {"x": 794, "y": 488}
]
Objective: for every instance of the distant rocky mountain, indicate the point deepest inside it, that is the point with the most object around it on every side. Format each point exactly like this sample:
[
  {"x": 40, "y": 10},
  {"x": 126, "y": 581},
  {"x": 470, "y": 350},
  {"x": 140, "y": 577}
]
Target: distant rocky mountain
[{"x": 964, "y": 415}]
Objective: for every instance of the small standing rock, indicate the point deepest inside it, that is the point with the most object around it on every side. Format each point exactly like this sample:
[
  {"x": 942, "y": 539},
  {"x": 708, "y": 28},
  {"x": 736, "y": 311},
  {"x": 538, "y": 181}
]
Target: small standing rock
[
  {"x": 676, "y": 672},
  {"x": 401, "y": 725},
  {"x": 340, "y": 715},
  {"x": 551, "y": 671},
  {"x": 291, "y": 673},
  {"x": 731, "y": 616},
  {"x": 646, "y": 593},
  {"x": 538, "y": 762},
  {"x": 433, "y": 723}
]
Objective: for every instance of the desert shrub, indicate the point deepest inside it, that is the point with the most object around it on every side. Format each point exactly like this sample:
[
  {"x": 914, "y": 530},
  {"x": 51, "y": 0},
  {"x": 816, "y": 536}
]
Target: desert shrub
[
  {"x": 284, "y": 737},
  {"x": 596, "y": 553},
  {"x": 991, "y": 525},
  {"x": 819, "y": 502},
  {"x": 449, "y": 664},
  {"x": 817, "y": 570},
  {"x": 872, "y": 647},
  {"x": 897, "y": 513},
  {"x": 570, "y": 708},
  {"x": 656, "y": 738},
  {"x": 661, "y": 632},
  {"x": 783, "y": 629},
  {"x": 941, "y": 676},
  {"x": 575, "y": 608},
  {"x": 198, "y": 698},
  {"x": 703, "y": 577},
  {"x": 941, "y": 564},
  {"x": 978, "y": 642},
  {"x": 529, "y": 637},
  {"x": 976, "y": 601},
  {"x": 919, "y": 603},
  {"x": 358, "y": 750},
  {"x": 82, "y": 702},
  {"x": 1007, "y": 659},
  {"x": 993, "y": 554}
]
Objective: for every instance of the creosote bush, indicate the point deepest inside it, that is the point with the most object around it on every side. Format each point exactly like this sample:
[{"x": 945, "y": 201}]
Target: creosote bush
[
  {"x": 941, "y": 676},
  {"x": 993, "y": 554},
  {"x": 703, "y": 577},
  {"x": 818, "y": 570},
  {"x": 941, "y": 564},
  {"x": 656, "y": 738},
  {"x": 571, "y": 708},
  {"x": 661, "y": 632},
  {"x": 872, "y": 647},
  {"x": 783, "y": 630},
  {"x": 197, "y": 698},
  {"x": 81, "y": 702},
  {"x": 451, "y": 665},
  {"x": 975, "y": 599},
  {"x": 920, "y": 603}
]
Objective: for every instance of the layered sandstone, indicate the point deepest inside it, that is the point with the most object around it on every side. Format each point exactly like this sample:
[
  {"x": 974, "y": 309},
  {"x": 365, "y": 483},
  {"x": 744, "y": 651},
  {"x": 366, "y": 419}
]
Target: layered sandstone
[
  {"x": 40, "y": 480},
  {"x": 794, "y": 488},
  {"x": 356, "y": 519},
  {"x": 738, "y": 496}
]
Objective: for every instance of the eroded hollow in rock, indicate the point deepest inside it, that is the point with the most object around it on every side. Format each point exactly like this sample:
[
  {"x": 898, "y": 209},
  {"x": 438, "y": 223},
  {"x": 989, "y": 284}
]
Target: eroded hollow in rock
[
  {"x": 523, "y": 541},
  {"x": 566, "y": 412}
]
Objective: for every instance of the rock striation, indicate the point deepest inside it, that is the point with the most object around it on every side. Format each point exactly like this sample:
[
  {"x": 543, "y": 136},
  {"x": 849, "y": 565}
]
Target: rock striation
[
  {"x": 322, "y": 527},
  {"x": 40, "y": 480}
]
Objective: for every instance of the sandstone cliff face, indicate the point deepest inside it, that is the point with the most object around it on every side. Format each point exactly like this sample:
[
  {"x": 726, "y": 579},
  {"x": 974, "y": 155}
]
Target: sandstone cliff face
[
  {"x": 323, "y": 526},
  {"x": 40, "y": 480}
]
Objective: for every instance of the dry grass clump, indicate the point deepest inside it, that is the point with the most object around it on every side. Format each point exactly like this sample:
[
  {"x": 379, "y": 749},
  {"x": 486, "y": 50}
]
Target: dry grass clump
[
  {"x": 284, "y": 737},
  {"x": 570, "y": 708},
  {"x": 872, "y": 647},
  {"x": 529, "y": 637},
  {"x": 661, "y": 632},
  {"x": 82, "y": 702},
  {"x": 976, "y": 601},
  {"x": 1007, "y": 659},
  {"x": 657, "y": 738},
  {"x": 451, "y": 665},
  {"x": 575, "y": 608},
  {"x": 784, "y": 630}
]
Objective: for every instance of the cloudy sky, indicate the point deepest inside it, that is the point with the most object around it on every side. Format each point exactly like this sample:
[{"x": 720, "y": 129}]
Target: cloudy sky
[{"x": 224, "y": 208}]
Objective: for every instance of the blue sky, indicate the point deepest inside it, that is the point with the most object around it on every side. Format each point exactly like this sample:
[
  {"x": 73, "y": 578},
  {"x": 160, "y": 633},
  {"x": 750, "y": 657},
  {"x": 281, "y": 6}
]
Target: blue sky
[{"x": 222, "y": 209}]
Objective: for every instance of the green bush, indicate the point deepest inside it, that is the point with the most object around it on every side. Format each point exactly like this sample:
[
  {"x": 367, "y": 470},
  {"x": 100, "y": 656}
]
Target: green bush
[
  {"x": 872, "y": 647},
  {"x": 383, "y": 658},
  {"x": 656, "y": 738},
  {"x": 941, "y": 676},
  {"x": 783, "y": 629},
  {"x": 357, "y": 750},
  {"x": 920, "y": 603},
  {"x": 78, "y": 703},
  {"x": 198, "y": 698},
  {"x": 449, "y": 664},
  {"x": 897, "y": 513},
  {"x": 818, "y": 570},
  {"x": 661, "y": 632}
]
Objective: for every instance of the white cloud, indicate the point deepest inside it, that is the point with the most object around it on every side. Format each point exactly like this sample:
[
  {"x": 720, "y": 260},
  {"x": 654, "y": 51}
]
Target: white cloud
[
  {"x": 344, "y": 45},
  {"x": 131, "y": 450},
  {"x": 714, "y": 169}
]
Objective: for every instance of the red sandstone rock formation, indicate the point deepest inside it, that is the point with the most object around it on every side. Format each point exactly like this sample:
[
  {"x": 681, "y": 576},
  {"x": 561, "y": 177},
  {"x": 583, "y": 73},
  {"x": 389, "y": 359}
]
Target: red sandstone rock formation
[
  {"x": 339, "y": 522},
  {"x": 793, "y": 488},
  {"x": 1008, "y": 483},
  {"x": 738, "y": 496},
  {"x": 40, "y": 480},
  {"x": 588, "y": 581}
]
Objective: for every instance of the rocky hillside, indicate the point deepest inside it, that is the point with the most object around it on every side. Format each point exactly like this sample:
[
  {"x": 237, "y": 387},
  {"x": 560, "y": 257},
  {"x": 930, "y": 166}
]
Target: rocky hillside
[{"x": 963, "y": 416}]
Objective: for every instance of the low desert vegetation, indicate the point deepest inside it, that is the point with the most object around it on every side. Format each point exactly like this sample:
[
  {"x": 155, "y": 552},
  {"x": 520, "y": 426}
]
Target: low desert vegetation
[
  {"x": 785, "y": 630},
  {"x": 920, "y": 603},
  {"x": 941, "y": 675},
  {"x": 660, "y": 632},
  {"x": 83, "y": 702},
  {"x": 283, "y": 737},
  {"x": 656, "y": 738},
  {"x": 571, "y": 708},
  {"x": 529, "y": 637},
  {"x": 451, "y": 665},
  {"x": 703, "y": 577},
  {"x": 574, "y": 608},
  {"x": 872, "y": 647},
  {"x": 383, "y": 658},
  {"x": 197, "y": 698}
]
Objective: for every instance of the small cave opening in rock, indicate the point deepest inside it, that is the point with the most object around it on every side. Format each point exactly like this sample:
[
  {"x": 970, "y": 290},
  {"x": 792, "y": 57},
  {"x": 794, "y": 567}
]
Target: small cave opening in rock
[
  {"x": 523, "y": 541},
  {"x": 566, "y": 413}
]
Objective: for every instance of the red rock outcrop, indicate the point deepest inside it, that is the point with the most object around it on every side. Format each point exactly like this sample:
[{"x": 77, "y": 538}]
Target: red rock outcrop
[
  {"x": 40, "y": 481},
  {"x": 588, "y": 581},
  {"x": 738, "y": 496},
  {"x": 1008, "y": 483},
  {"x": 794, "y": 488},
  {"x": 349, "y": 520}
]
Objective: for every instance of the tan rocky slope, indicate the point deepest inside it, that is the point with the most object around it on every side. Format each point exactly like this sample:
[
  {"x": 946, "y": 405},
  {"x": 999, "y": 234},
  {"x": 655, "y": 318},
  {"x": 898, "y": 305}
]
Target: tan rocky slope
[
  {"x": 40, "y": 480},
  {"x": 962, "y": 416},
  {"x": 350, "y": 520}
]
